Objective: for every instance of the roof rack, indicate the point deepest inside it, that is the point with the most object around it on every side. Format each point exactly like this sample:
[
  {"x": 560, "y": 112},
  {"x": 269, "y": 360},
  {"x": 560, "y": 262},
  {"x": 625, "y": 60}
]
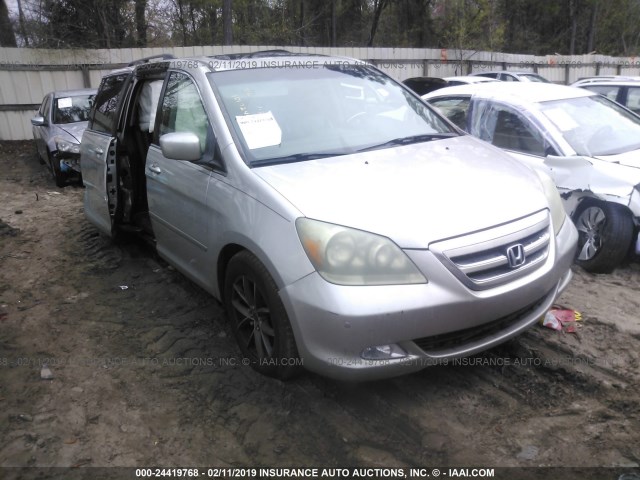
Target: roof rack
[
  {"x": 269, "y": 53},
  {"x": 262, "y": 54},
  {"x": 258, "y": 54},
  {"x": 163, "y": 56}
]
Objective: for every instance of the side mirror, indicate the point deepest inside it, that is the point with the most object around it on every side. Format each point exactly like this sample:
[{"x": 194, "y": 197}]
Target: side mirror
[
  {"x": 38, "y": 121},
  {"x": 181, "y": 146}
]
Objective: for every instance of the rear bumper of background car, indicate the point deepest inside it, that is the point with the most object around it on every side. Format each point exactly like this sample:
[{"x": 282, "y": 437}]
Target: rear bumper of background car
[{"x": 427, "y": 323}]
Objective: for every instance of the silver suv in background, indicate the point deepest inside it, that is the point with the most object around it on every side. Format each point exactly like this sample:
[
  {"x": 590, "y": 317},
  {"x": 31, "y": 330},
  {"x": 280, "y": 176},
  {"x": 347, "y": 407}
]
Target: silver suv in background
[{"x": 345, "y": 225}]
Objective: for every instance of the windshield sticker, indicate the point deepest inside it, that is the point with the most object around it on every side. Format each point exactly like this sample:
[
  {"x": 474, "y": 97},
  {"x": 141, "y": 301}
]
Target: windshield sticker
[
  {"x": 561, "y": 119},
  {"x": 260, "y": 130},
  {"x": 65, "y": 102}
]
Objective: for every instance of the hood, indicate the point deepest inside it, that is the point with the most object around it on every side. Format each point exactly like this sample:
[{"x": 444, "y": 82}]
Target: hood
[
  {"x": 414, "y": 194},
  {"x": 629, "y": 159},
  {"x": 74, "y": 129}
]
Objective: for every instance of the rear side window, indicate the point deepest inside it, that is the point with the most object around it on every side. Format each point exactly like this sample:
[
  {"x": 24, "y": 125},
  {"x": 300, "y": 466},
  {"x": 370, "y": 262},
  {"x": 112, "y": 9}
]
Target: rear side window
[{"x": 106, "y": 103}]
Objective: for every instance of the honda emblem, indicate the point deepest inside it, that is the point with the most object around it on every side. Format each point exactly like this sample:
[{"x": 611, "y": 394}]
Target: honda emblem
[{"x": 516, "y": 255}]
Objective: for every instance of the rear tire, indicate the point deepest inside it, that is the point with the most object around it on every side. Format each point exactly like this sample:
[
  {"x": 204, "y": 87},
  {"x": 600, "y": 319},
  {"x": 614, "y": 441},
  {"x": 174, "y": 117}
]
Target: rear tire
[
  {"x": 258, "y": 318},
  {"x": 605, "y": 233}
]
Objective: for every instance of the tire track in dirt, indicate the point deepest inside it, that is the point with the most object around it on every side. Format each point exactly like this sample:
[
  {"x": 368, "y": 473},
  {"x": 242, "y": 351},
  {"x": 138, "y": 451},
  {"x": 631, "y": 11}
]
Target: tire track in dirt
[{"x": 360, "y": 413}]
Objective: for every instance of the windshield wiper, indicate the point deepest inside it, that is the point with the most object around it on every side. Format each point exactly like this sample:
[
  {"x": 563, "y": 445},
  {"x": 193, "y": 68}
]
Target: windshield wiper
[
  {"x": 298, "y": 157},
  {"x": 409, "y": 140}
]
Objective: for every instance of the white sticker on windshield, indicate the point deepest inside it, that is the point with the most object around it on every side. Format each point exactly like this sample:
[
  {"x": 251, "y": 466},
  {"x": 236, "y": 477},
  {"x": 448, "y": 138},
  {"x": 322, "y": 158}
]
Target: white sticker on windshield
[
  {"x": 65, "y": 102},
  {"x": 561, "y": 119},
  {"x": 260, "y": 130}
]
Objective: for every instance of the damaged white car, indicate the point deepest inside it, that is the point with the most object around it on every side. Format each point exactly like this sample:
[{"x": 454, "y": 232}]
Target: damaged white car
[{"x": 588, "y": 144}]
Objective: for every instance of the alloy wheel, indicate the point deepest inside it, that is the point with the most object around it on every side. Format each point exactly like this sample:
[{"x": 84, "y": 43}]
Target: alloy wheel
[
  {"x": 590, "y": 225},
  {"x": 253, "y": 317}
]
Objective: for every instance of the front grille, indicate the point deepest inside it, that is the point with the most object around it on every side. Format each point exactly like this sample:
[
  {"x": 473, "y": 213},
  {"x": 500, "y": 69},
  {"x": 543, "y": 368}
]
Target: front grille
[
  {"x": 446, "y": 341},
  {"x": 481, "y": 260}
]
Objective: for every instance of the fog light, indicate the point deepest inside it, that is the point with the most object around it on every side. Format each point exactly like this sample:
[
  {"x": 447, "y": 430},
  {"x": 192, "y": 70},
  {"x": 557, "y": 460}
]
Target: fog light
[{"x": 383, "y": 352}]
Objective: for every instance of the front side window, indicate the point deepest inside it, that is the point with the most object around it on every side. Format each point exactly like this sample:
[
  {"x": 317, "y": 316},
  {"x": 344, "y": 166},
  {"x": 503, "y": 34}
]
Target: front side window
[
  {"x": 294, "y": 114},
  {"x": 183, "y": 111},
  {"x": 106, "y": 103},
  {"x": 506, "y": 128}
]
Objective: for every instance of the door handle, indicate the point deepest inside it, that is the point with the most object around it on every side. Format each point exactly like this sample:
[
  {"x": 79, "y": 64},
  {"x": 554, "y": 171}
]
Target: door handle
[
  {"x": 98, "y": 151},
  {"x": 154, "y": 168}
]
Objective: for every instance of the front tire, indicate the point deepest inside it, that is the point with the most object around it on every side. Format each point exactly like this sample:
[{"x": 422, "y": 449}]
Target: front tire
[
  {"x": 258, "y": 318},
  {"x": 58, "y": 176},
  {"x": 605, "y": 233}
]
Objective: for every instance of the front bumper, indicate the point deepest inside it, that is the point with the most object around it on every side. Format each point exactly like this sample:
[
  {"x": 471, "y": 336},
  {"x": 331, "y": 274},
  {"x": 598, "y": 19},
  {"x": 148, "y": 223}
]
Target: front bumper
[
  {"x": 69, "y": 162},
  {"x": 431, "y": 322}
]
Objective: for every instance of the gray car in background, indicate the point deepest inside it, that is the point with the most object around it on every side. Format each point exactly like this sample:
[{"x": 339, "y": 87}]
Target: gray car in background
[
  {"x": 346, "y": 226},
  {"x": 57, "y": 130}
]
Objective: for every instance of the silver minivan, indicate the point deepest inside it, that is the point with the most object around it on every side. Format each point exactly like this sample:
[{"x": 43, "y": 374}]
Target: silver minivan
[{"x": 346, "y": 226}]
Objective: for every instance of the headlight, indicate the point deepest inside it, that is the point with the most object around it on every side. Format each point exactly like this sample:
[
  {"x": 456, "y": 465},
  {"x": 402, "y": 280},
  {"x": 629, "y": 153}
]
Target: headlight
[
  {"x": 347, "y": 256},
  {"x": 558, "y": 214},
  {"x": 65, "y": 146}
]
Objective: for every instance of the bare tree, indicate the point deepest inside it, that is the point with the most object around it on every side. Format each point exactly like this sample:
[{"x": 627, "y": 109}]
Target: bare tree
[
  {"x": 573, "y": 19},
  {"x": 23, "y": 30},
  {"x": 181, "y": 20},
  {"x": 378, "y": 6},
  {"x": 591, "y": 37},
  {"x": 333, "y": 24},
  {"x": 303, "y": 40},
  {"x": 141, "y": 23},
  {"x": 227, "y": 24},
  {"x": 7, "y": 37}
]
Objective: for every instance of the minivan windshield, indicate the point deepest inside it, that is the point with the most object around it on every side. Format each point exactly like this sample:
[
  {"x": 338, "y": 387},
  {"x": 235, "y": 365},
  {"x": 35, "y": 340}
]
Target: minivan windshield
[
  {"x": 294, "y": 114},
  {"x": 594, "y": 125}
]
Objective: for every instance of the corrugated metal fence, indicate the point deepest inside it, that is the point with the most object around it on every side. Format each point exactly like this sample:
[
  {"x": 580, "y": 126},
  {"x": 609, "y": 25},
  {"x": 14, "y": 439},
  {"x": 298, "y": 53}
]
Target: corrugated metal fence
[{"x": 26, "y": 75}]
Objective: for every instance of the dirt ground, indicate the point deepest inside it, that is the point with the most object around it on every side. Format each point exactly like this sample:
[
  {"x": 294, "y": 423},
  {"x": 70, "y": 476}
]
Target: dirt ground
[{"x": 145, "y": 372}]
